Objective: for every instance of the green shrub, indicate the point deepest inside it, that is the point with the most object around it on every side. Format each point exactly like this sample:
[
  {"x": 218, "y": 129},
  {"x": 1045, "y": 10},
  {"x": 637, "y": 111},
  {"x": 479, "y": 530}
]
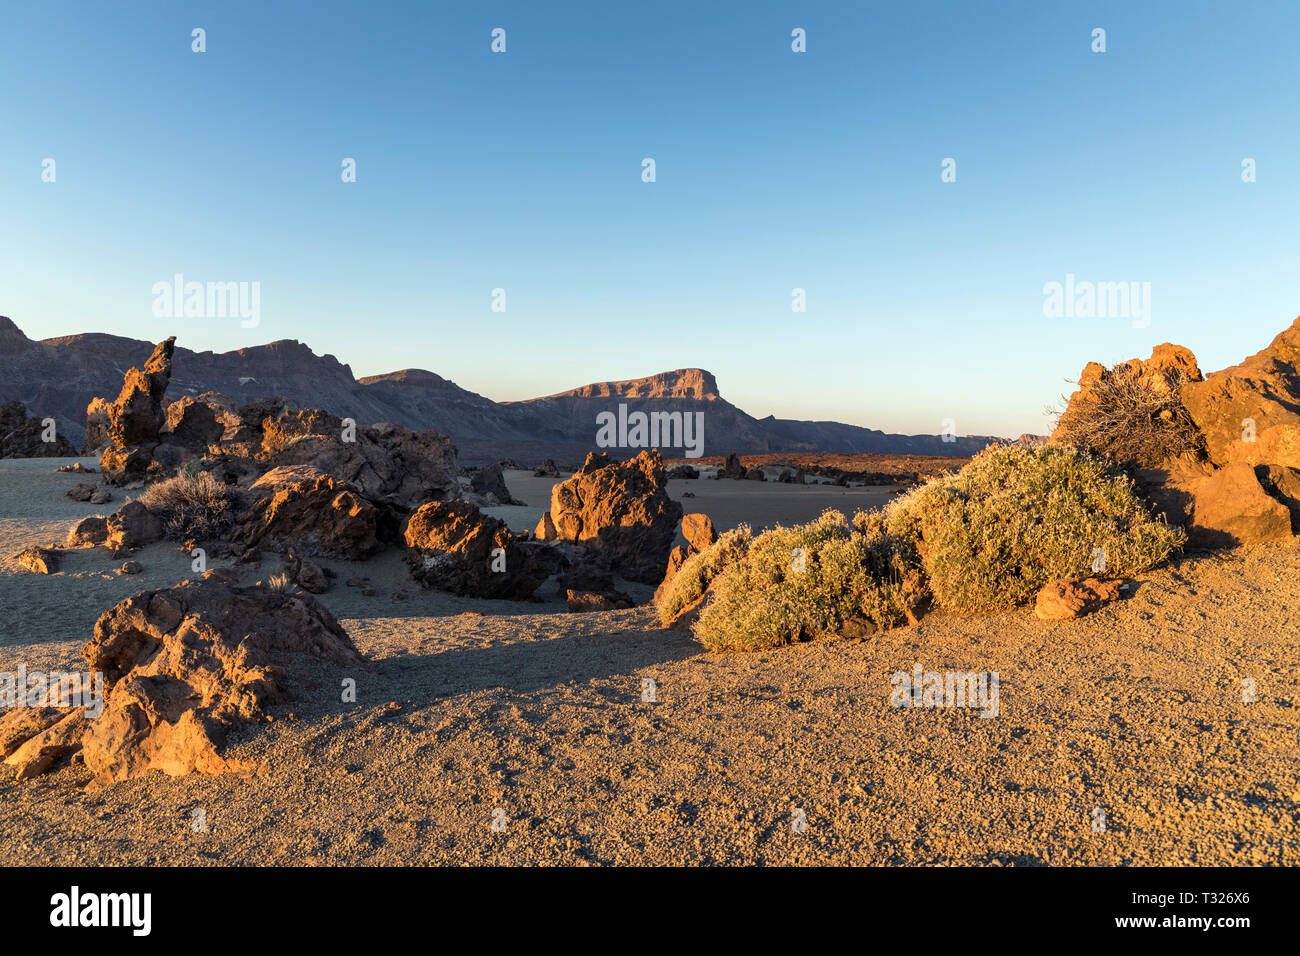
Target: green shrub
[
  {"x": 699, "y": 570},
  {"x": 1015, "y": 518},
  {"x": 796, "y": 584},
  {"x": 191, "y": 505}
]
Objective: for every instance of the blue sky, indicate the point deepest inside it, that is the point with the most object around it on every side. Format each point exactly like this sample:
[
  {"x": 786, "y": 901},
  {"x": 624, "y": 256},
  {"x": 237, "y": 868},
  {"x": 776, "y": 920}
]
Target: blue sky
[{"x": 775, "y": 170}]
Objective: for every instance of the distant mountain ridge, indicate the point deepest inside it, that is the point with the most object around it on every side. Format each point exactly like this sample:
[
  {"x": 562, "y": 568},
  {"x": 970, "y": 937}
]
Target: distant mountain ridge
[{"x": 59, "y": 376}]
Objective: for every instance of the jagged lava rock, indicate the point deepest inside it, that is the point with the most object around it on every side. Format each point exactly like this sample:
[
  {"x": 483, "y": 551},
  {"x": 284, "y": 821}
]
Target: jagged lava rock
[
  {"x": 186, "y": 665},
  {"x": 621, "y": 511},
  {"x": 1263, "y": 390},
  {"x": 301, "y": 508},
  {"x": 135, "y": 418},
  {"x": 454, "y": 546},
  {"x": 23, "y": 437},
  {"x": 132, "y": 526},
  {"x": 38, "y": 560}
]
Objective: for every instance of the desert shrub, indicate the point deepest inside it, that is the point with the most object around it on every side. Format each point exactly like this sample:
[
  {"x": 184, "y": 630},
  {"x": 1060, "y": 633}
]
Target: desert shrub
[
  {"x": 1015, "y": 518},
  {"x": 697, "y": 573},
  {"x": 191, "y": 505},
  {"x": 795, "y": 584},
  {"x": 1132, "y": 419}
]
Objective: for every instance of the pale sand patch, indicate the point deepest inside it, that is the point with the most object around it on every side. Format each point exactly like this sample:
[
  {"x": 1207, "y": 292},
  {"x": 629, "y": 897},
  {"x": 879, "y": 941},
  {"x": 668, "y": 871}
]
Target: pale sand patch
[{"x": 1136, "y": 710}]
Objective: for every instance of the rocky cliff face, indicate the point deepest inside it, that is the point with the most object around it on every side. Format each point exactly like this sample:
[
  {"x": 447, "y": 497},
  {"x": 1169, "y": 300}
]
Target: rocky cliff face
[{"x": 59, "y": 377}]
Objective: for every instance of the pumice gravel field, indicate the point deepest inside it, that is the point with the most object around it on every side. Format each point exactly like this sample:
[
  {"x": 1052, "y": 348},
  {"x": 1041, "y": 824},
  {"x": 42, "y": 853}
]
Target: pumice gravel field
[{"x": 474, "y": 707}]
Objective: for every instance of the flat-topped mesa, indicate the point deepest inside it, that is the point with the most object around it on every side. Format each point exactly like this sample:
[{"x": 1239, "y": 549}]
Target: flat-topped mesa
[{"x": 693, "y": 383}]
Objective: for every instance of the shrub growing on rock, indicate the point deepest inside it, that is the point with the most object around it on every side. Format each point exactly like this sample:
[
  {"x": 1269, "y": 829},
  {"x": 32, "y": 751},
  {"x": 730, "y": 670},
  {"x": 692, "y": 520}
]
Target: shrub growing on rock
[
  {"x": 1132, "y": 417},
  {"x": 992, "y": 535},
  {"x": 796, "y": 584}
]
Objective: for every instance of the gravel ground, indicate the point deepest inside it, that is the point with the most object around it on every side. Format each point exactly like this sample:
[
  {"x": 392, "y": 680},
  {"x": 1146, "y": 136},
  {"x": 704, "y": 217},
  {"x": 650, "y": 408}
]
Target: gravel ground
[{"x": 1122, "y": 738}]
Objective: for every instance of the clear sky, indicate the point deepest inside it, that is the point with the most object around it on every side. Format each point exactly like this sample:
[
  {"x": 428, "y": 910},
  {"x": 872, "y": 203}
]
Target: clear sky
[{"x": 775, "y": 170}]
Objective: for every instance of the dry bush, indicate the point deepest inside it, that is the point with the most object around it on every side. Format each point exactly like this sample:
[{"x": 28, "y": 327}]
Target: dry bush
[
  {"x": 1131, "y": 421},
  {"x": 192, "y": 505}
]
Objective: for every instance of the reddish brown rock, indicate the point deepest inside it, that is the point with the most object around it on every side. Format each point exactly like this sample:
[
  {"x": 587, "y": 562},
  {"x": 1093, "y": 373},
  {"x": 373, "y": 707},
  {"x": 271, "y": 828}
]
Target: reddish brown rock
[
  {"x": 490, "y": 482},
  {"x": 96, "y": 426},
  {"x": 385, "y": 463},
  {"x": 698, "y": 531},
  {"x": 88, "y": 532},
  {"x": 1230, "y": 507},
  {"x": 621, "y": 512},
  {"x": 81, "y": 492},
  {"x": 454, "y": 546},
  {"x": 1250, "y": 413},
  {"x": 135, "y": 418},
  {"x": 19, "y": 724},
  {"x": 732, "y": 468},
  {"x": 132, "y": 526},
  {"x": 1067, "y": 598},
  {"x": 307, "y": 511},
  {"x": 186, "y": 665},
  {"x": 196, "y": 422},
  {"x": 308, "y": 575},
  {"x": 545, "y": 530},
  {"x": 51, "y": 748},
  {"x": 38, "y": 560}
]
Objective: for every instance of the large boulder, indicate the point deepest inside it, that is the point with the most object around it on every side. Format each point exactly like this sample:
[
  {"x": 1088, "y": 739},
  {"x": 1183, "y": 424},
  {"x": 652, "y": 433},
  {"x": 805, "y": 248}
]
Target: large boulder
[
  {"x": 1251, "y": 412},
  {"x": 186, "y": 665},
  {"x": 135, "y": 418},
  {"x": 132, "y": 526},
  {"x": 455, "y": 547},
  {"x": 302, "y": 509},
  {"x": 490, "y": 482},
  {"x": 1230, "y": 507},
  {"x": 196, "y": 422},
  {"x": 621, "y": 512},
  {"x": 23, "y": 437},
  {"x": 88, "y": 532},
  {"x": 1240, "y": 485}
]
